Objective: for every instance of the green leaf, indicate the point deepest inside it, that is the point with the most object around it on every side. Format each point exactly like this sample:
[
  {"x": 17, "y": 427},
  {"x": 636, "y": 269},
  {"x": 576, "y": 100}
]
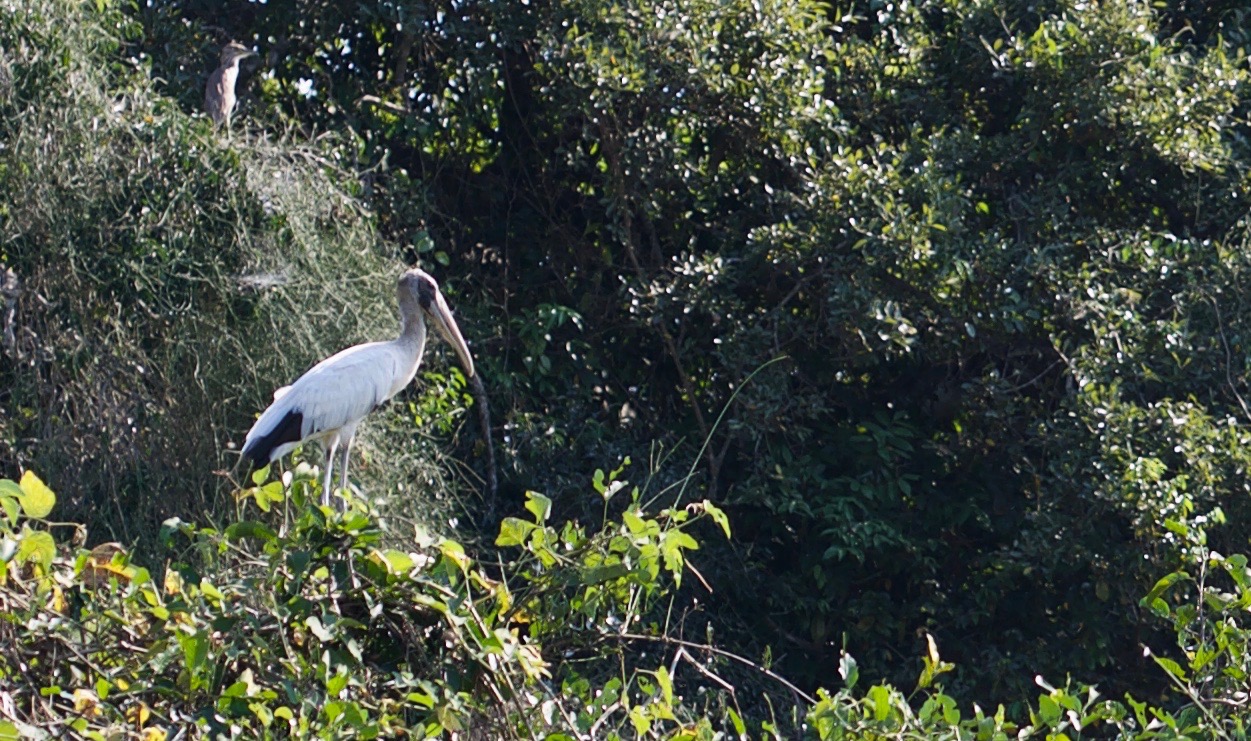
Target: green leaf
[
  {"x": 11, "y": 506},
  {"x": 8, "y": 732},
  {"x": 39, "y": 499},
  {"x": 37, "y": 546},
  {"x": 879, "y": 699},
  {"x": 398, "y": 561},
  {"x": 268, "y": 494},
  {"x": 514, "y": 531},
  {"x": 10, "y": 488},
  {"x": 1163, "y": 585},
  {"x": 666, "y": 685},
  {"x": 718, "y": 516},
  {"x": 250, "y": 529},
  {"x": 539, "y": 506},
  {"x": 638, "y": 718},
  {"x": 335, "y": 684},
  {"x": 933, "y": 665},
  {"x": 671, "y": 547},
  {"x": 634, "y": 522},
  {"x": 194, "y": 651},
  {"x": 1170, "y": 666},
  {"x": 848, "y": 670}
]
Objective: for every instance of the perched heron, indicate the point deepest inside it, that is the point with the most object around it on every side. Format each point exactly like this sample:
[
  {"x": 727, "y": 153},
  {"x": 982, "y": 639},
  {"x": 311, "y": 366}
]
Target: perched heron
[
  {"x": 219, "y": 93},
  {"x": 330, "y": 400}
]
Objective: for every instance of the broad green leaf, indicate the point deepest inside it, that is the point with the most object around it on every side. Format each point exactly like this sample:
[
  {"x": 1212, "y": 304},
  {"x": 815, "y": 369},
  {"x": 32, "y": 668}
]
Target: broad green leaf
[
  {"x": 9, "y": 489},
  {"x": 39, "y": 499},
  {"x": 195, "y": 651},
  {"x": 335, "y": 684},
  {"x": 11, "y": 507},
  {"x": 513, "y": 531},
  {"x": 879, "y": 699},
  {"x": 250, "y": 529},
  {"x": 37, "y": 546},
  {"x": 634, "y": 522},
  {"x": 718, "y": 516},
  {"x": 398, "y": 561},
  {"x": 268, "y": 494},
  {"x": 1170, "y": 666},
  {"x": 538, "y": 505},
  {"x": 638, "y": 718},
  {"x": 666, "y": 684},
  {"x": 1163, "y": 584},
  {"x": 848, "y": 670}
]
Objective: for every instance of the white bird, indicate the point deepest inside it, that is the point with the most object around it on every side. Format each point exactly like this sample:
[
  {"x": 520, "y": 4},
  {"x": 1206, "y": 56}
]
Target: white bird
[{"x": 329, "y": 401}]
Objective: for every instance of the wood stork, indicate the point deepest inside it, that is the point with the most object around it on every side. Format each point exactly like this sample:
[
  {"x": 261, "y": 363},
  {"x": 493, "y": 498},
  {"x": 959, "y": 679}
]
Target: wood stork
[{"x": 329, "y": 401}]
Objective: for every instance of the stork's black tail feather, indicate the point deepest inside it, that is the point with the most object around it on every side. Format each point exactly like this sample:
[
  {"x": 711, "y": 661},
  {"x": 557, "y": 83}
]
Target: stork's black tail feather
[{"x": 261, "y": 449}]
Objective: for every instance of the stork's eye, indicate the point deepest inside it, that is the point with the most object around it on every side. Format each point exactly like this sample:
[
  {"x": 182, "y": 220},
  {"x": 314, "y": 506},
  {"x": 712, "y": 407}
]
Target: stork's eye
[{"x": 426, "y": 291}]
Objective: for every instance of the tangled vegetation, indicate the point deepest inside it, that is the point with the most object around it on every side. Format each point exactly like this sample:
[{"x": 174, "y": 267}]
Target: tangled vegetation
[
  {"x": 304, "y": 622},
  {"x": 937, "y": 306}
]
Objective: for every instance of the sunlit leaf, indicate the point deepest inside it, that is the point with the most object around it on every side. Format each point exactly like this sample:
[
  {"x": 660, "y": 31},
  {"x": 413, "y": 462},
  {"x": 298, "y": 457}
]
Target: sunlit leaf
[{"x": 38, "y": 499}]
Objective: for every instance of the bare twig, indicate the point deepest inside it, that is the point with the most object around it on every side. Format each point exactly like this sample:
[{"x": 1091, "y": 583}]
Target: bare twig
[
  {"x": 1229, "y": 379},
  {"x": 719, "y": 652}
]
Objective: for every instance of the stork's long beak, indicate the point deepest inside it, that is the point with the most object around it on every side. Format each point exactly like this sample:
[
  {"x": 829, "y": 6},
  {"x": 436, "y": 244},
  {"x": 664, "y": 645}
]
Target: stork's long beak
[{"x": 441, "y": 316}]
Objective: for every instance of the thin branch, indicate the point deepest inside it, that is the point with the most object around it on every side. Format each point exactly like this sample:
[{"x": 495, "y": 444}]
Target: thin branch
[
  {"x": 719, "y": 652},
  {"x": 1229, "y": 379}
]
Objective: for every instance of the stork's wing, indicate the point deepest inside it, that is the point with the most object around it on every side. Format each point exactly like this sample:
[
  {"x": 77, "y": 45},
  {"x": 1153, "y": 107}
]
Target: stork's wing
[{"x": 338, "y": 391}]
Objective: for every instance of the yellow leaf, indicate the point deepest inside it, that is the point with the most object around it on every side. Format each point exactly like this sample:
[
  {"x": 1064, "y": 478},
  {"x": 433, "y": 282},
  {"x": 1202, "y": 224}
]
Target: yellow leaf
[
  {"x": 86, "y": 703},
  {"x": 100, "y": 566},
  {"x": 173, "y": 582},
  {"x": 38, "y": 499},
  {"x": 153, "y": 734},
  {"x": 138, "y": 715}
]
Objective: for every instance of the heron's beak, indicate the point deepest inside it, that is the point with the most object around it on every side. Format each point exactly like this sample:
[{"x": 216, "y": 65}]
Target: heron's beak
[{"x": 441, "y": 316}]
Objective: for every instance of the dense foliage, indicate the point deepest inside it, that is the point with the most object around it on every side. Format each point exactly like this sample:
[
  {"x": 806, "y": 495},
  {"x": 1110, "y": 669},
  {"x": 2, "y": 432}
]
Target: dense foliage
[{"x": 941, "y": 302}]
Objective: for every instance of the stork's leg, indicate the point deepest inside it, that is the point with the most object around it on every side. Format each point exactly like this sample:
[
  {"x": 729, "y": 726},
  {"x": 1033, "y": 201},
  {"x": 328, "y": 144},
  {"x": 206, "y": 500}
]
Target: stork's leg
[
  {"x": 331, "y": 446},
  {"x": 343, "y": 468}
]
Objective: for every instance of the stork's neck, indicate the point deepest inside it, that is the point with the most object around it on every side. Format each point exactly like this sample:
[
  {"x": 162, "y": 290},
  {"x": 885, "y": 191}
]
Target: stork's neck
[{"x": 413, "y": 332}]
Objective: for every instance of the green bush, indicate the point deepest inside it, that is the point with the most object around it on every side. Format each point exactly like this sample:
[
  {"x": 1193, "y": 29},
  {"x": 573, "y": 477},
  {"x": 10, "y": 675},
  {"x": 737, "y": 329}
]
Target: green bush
[
  {"x": 308, "y": 623},
  {"x": 170, "y": 278},
  {"x": 942, "y": 301}
]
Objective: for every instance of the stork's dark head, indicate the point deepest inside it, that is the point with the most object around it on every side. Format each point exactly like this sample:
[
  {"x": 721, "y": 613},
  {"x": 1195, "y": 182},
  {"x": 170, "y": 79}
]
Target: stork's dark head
[{"x": 420, "y": 296}]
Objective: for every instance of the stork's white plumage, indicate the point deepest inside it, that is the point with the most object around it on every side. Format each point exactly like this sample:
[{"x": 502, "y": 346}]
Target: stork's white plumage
[{"x": 329, "y": 401}]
